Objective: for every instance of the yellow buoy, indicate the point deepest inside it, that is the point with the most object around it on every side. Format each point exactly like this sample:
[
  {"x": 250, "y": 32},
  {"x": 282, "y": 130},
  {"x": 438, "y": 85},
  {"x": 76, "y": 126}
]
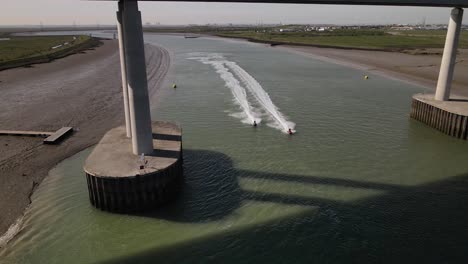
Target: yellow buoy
[
  {"x": 174, "y": 86},
  {"x": 366, "y": 77}
]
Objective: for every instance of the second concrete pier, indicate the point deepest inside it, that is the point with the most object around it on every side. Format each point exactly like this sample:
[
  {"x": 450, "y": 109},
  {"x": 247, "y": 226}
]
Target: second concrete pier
[{"x": 449, "y": 117}]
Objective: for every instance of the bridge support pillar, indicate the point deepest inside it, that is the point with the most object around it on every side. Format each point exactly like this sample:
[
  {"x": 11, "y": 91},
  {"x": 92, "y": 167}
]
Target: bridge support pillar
[
  {"x": 449, "y": 57},
  {"x": 118, "y": 181},
  {"x": 123, "y": 69},
  {"x": 140, "y": 117}
]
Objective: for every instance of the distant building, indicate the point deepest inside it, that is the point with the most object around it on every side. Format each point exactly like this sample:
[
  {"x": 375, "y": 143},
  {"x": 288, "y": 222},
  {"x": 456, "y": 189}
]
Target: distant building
[{"x": 402, "y": 28}]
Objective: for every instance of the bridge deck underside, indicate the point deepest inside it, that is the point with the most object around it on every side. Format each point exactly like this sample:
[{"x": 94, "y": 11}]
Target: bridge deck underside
[{"x": 434, "y": 3}]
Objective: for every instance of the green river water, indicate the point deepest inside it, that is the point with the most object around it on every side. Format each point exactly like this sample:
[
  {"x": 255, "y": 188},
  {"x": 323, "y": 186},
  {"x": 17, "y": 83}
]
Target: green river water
[{"x": 359, "y": 182}]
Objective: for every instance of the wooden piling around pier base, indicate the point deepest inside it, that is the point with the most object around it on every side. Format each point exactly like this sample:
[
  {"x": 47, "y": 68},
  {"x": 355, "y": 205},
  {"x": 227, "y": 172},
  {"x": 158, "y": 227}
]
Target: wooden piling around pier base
[{"x": 449, "y": 117}]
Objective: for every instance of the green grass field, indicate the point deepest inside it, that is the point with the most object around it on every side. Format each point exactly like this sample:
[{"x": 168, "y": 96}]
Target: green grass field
[
  {"x": 365, "y": 39},
  {"x": 378, "y": 39},
  {"x": 27, "y": 47}
]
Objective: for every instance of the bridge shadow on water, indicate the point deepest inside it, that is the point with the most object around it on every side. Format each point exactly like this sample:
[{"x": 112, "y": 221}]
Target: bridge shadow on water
[
  {"x": 407, "y": 224},
  {"x": 210, "y": 190}
]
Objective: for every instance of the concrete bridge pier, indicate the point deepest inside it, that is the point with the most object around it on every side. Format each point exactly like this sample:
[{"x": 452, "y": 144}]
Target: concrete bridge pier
[
  {"x": 134, "y": 49},
  {"x": 123, "y": 69},
  {"x": 447, "y": 66},
  {"x": 448, "y": 115},
  {"x": 118, "y": 178}
]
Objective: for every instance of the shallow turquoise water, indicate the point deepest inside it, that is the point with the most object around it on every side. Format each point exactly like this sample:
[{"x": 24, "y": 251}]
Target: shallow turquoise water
[{"x": 358, "y": 182}]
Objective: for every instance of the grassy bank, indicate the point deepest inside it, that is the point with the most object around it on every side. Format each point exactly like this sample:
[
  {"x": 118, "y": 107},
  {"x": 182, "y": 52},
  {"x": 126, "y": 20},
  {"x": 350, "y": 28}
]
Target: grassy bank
[
  {"x": 24, "y": 51},
  {"x": 354, "y": 39},
  {"x": 385, "y": 38}
]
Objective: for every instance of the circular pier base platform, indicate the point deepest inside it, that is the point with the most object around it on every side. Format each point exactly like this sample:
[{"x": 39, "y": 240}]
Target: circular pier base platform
[{"x": 119, "y": 181}]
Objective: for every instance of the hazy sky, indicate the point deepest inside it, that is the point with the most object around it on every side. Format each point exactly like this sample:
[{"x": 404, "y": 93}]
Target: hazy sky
[{"x": 54, "y": 12}]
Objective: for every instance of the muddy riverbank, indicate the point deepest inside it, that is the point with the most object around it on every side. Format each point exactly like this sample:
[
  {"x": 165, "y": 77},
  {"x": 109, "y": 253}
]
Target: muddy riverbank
[{"x": 82, "y": 91}]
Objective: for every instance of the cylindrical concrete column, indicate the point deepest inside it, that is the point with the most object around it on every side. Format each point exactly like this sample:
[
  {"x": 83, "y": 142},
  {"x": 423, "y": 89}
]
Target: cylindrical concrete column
[
  {"x": 449, "y": 57},
  {"x": 140, "y": 117},
  {"x": 123, "y": 69}
]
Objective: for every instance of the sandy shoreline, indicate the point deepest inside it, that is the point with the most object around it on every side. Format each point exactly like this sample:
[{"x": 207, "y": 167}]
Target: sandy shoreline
[
  {"x": 81, "y": 90},
  {"x": 421, "y": 70}
]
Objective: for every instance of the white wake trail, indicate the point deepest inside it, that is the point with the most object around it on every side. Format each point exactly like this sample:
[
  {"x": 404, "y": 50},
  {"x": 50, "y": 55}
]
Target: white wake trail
[
  {"x": 240, "y": 95},
  {"x": 262, "y": 97},
  {"x": 236, "y": 78}
]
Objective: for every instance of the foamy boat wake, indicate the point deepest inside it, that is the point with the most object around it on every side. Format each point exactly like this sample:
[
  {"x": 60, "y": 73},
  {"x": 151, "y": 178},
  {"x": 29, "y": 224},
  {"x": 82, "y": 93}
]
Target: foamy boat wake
[
  {"x": 239, "y": 93},
  {"x": 236, "y": 78}
]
